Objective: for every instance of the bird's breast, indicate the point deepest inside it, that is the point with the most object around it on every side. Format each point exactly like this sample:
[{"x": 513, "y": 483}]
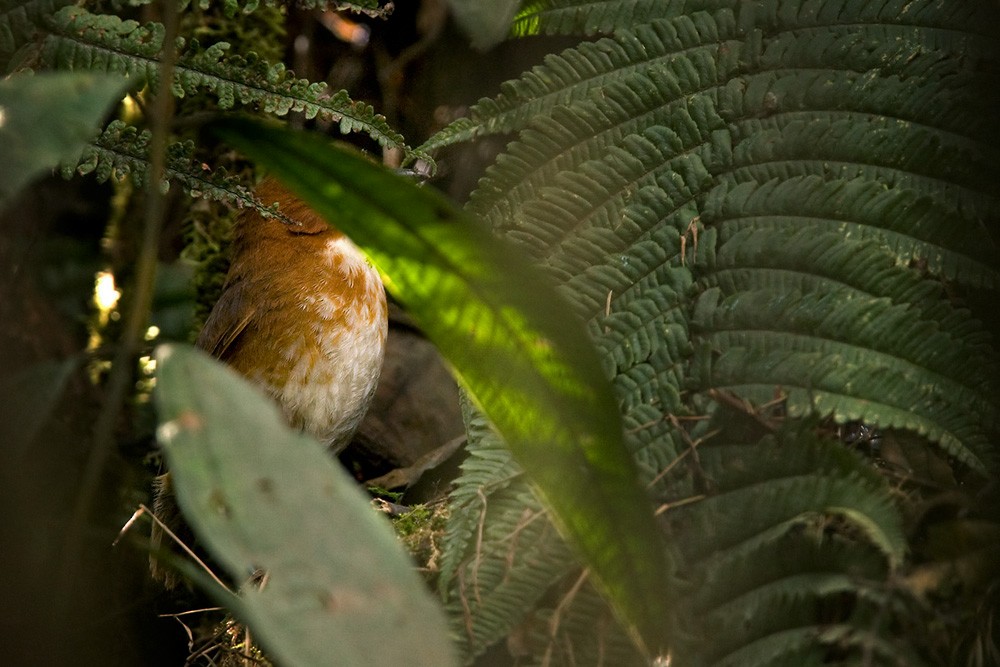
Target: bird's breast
[{"x": 325, "y": 314}]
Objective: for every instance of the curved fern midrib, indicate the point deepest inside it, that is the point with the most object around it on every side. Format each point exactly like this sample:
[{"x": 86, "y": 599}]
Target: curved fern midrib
[
  {"x": 614, "y": 196},
  {"x": 909, "y": 27},
  {"x": 824, "y": 279},
  {"x": 802, "y": 582},
  {"x": 813, "y": 113},
  {"x": 150, "y": 64},
  {"x": 740, "y": 221},
  {"x": 773, "y": 564},
  {"x": 778, "y": 526},
  {"x": 869, "y": 136},
  {"x": 614, "y": 133},
  {"x": 585, "y": 7},
  {"x": 589, "y": 82},
  {"x": 889, "y": 416},
  {"x": 786, "y": 640},
  {"x": 965, "y": 193},
  {"x": 891, "y": 237},
  {"x": 980, "y": 203},
  {"x": 566, "y": 93},
  {"x": 957, "y": 392}
]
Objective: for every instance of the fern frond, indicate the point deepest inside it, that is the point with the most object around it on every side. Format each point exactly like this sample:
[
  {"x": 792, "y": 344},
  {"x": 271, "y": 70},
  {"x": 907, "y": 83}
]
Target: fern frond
[
  {"x": 239, "y": 80},
  {"x": 501, "y": 551},
  {"x": 588, "y": 17},
  {"x": 787, "y": 567},
  {"x": 803, "y": 478},
  {"x": 834, "y": 351},
  {"x": 915, "y": 228},
  {"x": 576, "y": 73},
  {"x": 611, "y": 235},
  {"x": 103, "y": 43},
  {"x": 818, "y": 382},
  {"x": 122, "y": 151},
  {"x": 766, "y": 642},
  {"x": 807, "y": 39},
  {"x": 80, "y": 39},
  {"x": 776, "y": 561},
  {"x": 578, "y": 623},
  {"x": 879, "y": 149},
  {"x": 772, "y": 565},
  {"x": 487, "y": 590},
  {"x": 787, "y": 199},
  {"x": 20, "y": 21},
  {"x": 686, "y": 140},
  {"x": 805, "y": 261}
]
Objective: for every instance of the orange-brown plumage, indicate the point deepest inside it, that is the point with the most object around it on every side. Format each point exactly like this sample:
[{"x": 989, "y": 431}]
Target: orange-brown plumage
[{"x": 303, "y": 315}]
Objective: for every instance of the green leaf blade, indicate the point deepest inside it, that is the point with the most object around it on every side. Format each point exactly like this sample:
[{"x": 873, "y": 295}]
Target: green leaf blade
[
  {"x": 516, "y": 346},
  {"x": 263, "y": 496}
]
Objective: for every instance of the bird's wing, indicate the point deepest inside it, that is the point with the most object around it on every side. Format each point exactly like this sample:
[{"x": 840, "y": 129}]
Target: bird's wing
[{"x": 227, "y": 321}]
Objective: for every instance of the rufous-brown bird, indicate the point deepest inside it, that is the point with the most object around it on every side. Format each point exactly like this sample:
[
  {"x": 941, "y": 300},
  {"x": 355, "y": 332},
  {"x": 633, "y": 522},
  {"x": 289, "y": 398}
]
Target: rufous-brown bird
[{"x": 303, "y": 315}]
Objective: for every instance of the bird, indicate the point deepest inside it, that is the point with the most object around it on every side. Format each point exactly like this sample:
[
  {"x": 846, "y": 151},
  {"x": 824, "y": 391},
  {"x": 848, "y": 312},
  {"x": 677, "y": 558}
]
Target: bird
[{"x": 303, "y": 316}]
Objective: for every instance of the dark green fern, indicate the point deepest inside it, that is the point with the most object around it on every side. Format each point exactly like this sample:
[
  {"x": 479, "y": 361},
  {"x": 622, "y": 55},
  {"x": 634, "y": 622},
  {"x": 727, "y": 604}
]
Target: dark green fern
[
  {"x": 74, "y": 38},
  {"x": 775, "y": 216}
]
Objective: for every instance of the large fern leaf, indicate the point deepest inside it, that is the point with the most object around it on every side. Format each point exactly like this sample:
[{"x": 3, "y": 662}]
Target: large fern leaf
[{"x": 778, "y": 201}]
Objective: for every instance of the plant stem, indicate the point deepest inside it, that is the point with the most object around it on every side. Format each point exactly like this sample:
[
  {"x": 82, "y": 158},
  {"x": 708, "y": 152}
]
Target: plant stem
[{"x": 137, "y": 317}]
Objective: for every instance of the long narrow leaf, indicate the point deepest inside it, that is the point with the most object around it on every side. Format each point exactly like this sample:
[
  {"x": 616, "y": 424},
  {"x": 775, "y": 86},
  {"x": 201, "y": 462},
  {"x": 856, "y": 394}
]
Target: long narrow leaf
[{"x": 514, "y": 344}]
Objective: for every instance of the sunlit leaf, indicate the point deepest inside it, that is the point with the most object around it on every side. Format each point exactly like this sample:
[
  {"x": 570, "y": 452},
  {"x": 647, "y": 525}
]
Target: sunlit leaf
[{"x": 516, "y": 347}]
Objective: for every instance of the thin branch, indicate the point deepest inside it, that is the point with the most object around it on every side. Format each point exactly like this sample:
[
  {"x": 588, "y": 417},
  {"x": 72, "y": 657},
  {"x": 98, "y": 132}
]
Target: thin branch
[{"x": 166, "y": 529}]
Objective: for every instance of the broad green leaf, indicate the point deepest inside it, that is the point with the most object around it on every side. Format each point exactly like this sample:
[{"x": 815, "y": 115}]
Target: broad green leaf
[
  {"x": 486, "y": 23},
  {"x": 514, "y": 344},
  {"x": 340, "y": 589},
  {"x": 48, "y": 118}
]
